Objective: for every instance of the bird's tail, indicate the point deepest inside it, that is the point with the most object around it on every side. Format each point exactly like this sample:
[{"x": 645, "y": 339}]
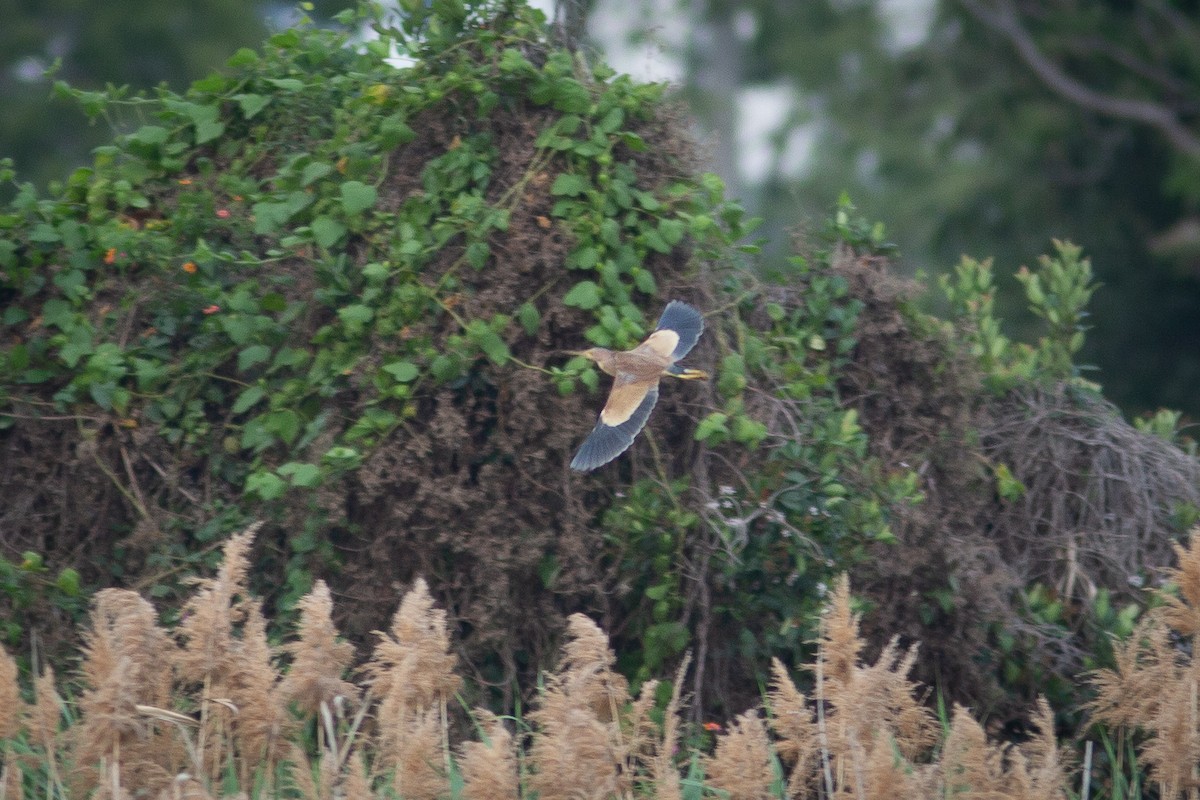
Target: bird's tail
[{"x": 687, "y": 373}]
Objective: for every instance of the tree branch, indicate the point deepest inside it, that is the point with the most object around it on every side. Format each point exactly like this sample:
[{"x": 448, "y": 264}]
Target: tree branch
[{"x": 1002, "y": 18}]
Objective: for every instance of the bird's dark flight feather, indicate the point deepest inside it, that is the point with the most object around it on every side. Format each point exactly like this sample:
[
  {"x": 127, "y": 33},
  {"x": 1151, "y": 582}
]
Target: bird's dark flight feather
[
  {"x": 606, "y": 442},
  {"x": 685, "y": 321}
]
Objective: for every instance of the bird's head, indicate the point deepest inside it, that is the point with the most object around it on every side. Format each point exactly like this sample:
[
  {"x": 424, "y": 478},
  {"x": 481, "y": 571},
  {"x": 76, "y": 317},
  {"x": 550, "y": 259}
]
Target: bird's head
[{"x": 597, "y": 354}]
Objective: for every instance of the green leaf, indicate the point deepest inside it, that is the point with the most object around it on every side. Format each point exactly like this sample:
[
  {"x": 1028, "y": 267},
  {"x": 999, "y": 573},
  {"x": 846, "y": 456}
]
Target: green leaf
[
  {"x": 247, "y": 399},
  {"x": 251, "y": 104},
  {"x": 584, "y": 258},
  {"x": 477, "y": 254},
  {"x": 529, "y": 318},
  {"x": 265, "y": 485},
  {"x": 402, "y": 371},
  {"x": 357, "y": 197},
  {"x": 354, "y": 317},
  {"x": 287, "y": 84},
  {"x": 569, "y": 185},
  {"x": 327, "y": 231},
  {"x": 68, "y": 582},
  {"x": 244, "y": 57},
  {"x": 489, "y": 342},
  {"x": 284, "y": 423},
  {"x": 712, "y": 427},
  {"x": 585, "y": 295},
  {"x": 302, "y": 474},
  {"x": 151, "y": 134},
  {"x": 314, "y": 172},
  {"x": 254, "y": 354},
  {"x": 44, "y": 233}
]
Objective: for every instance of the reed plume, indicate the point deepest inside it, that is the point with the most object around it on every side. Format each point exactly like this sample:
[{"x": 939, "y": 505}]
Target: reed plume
[
  {"x": 741, "y": 764},
  {"x": 126, "y": 664},
  {"x": 1152, "y": 688},
  {"x": 489, "y": 767},
  {"x": 578, "y": 750},
  {"x": 412, "y": 672}
]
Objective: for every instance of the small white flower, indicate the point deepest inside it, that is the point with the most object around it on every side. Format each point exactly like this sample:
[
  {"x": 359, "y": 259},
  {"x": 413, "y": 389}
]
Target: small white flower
[{"x": 726, "y": 490}]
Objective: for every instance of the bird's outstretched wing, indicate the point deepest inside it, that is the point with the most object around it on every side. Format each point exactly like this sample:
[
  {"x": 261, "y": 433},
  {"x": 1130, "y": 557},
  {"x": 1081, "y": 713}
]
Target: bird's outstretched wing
[
  {"x": 677, "y": 332},
  {"x": 624, "y": 415}
]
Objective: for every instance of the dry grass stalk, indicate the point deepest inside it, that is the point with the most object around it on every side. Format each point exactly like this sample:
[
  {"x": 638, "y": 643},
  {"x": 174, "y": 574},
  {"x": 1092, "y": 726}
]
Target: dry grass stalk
[
  {"x": 1154, "y": 685},
  {"x": 418, "y": 758},
  {"x": 355, "y": 783},
  {"x": 741, "y": 764},
  {"x": 213, "y": 657},
  {"x": 185, "y": 787},
  {"x": 123, "y": 666},
  {"x": 412, "y": 671},
  {"x": 11, "y": 704},
  {"x": 579, "y": 749},
  {"x": 664, "y": 775},
  {"x": 261, "y": 720},
  {"x": 792, "y": 720},
  {"x": 44, "y": 720},
  {"x": 319, "y": 660},
  {"x": 489, "y": 768},
  {"x": 572, "y": 754},
  {"x": 864, "y": 702},
  {"x": 12, "y": 779}
]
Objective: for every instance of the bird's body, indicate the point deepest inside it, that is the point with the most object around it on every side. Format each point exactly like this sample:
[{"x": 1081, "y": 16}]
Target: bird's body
[{"x": 636, "y": 374}]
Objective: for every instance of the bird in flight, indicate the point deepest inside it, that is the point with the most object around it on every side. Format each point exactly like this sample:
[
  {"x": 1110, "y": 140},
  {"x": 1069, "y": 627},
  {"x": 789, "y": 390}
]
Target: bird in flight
[{"x": 635, "y": 383}]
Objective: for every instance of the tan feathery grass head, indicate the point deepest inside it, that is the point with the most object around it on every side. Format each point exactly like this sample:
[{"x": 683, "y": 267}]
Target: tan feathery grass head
[
  {"x": 793, "y": 722},
  {"x": 840, "y": 642},
  {"x": 417, "y": 758},
  {"x": 741, "y": 764},
  {"x": 1173, "y": 749},
  {"x": 126, "y": 663},
  {"x": 208, "y": 618},
  {"x": 1040, "y": 773},
  {"x": 47, "y": 712},
  {"x": 663, "y": 773},
  {"x": 489, "y": 767},
  {"x": 412, "y": 666},
  {"x": 970, "y": 767},
  {"x": 572, "y": 754},
  {"x": 261, "y": 721},
  {"x": 1131, "y": 692},
  {"x": 354, "y": 783},
  {"x": 586, "y": 671},
  {"x": 11, "y": 704},
  {"x": 319, "y": 660},
  {"x": 124, "y": 655},
  {"x": 1183, "y": 613},
  {"x": 880, "y": 700}
]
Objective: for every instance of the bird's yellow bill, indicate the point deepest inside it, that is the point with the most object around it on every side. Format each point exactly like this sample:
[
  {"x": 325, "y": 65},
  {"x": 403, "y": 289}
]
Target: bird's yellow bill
[{"x": 688, "y": 374}]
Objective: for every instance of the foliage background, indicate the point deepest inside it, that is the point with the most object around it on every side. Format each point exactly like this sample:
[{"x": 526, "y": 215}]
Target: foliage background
[{"x": 316, "y": 289}]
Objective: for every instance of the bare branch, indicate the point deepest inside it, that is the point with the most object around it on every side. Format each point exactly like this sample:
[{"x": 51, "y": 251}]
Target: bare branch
[{"x": 1001, "y": 17}]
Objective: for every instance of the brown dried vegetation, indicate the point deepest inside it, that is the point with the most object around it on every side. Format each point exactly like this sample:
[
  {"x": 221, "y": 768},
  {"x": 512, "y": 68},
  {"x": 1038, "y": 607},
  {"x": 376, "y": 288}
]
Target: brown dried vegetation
[
  {"x": 1098, "y": 509},
  {"x": 1152, "y": 692},
  {"x": 156, "y": 718}
]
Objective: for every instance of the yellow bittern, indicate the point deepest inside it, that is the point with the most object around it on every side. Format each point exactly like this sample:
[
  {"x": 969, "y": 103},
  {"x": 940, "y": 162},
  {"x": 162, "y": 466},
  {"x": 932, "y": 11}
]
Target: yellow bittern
[{"x": 635, "y": 383}]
